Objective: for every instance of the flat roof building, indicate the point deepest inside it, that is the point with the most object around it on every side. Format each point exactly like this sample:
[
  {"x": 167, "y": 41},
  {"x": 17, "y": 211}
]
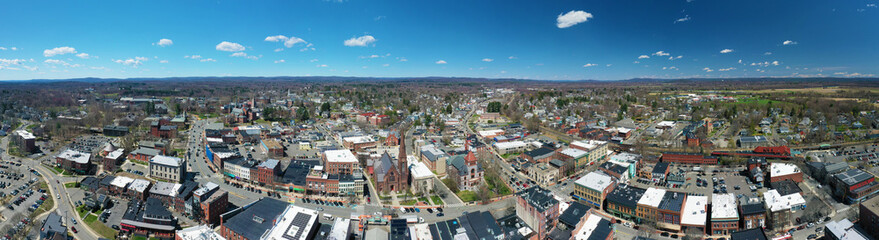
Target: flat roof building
[
  {"x": 724, "y": 214},
  {"x": 695, "y": 214}
]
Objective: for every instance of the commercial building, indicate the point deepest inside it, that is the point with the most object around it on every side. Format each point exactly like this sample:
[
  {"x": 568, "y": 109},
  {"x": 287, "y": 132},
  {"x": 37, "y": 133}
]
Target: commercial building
[
  {"x": 266, "y": 172},
  {"x": 660, "y": 171},
  {"x": 622, "y": 202},
  {"x": 593, "y": 227},
  {"x": 434, "y": 158},
  {"x": 422, "y": 177},
  {"x": 844, "y": 230},
  {"x": 209, "y": 202},
  {"x": 167, "y": 168},
  {"x": 54, "y": 224},
  {"x": 597, "y": 151},
  {"x": 474, "y": 225},
  {"x": 571, "y": 157},
  {"x": 542, "y": 154},
  {"x": 781, "y": 171},
  {"x": 272, "y": 148},
  {"x": 781, "y": 207},
  {"x": 252, "y": 220},
  {"x": 25, "y": 141},
  {"x": 138, "y": 189},
  {"x": 295, "y": 223},
  {"x": 593, "y": 188},
  {"x": 510, "y": 147},
  {"x": 662, "y": 207},
  {"x": 113, "y": 159},
  {"x": 339, "y": 161},
  {"x": 115, "y": 131},
  {"x": 695, "y": 213},
  {"x": 147, "y": 218},
  {"x": 750, "y": 234},
  {"x": 358, "y": 143},
  {"x": 74, "y": 161},
  {"x": 869, "y": 216},
  {"x": 753, "y": 213},
  {"x": 538, "y": 209},
  {"x": 688, "y": 158},
  {"x": 854, "y": 185},
  {"x": 724, "y": 214},
  {"x": 543, "y": 173},
  {"x": 200, "y": 232}
]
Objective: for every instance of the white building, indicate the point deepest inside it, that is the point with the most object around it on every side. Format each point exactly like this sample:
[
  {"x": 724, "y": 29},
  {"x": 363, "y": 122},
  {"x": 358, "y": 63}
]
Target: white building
[
  {"x": 167, "y": 168},
  {"x": 422, "y": 177},
  {"x": 597, "y": 150},
  {"x": 724, "y": 214},
  {"x": 200, "y": 232},
  {"x": 295, "y": 223},
  {"x": 695, "y": 213},
  {"x": 510, "y": 147}
]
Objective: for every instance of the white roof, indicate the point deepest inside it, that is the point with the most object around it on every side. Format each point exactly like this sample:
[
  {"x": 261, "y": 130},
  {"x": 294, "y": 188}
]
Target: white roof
[
  {"x": 723, "y": 207},
  {"x": 695, "y": 211},
  {"x": 782, "y": 169},
  {"x": 588, "y": 227},
  {"x": 115, "y": 154},
  {"x": 624, "y": 159},
  {"x": 775, "y": 202},
  {"x": 359, "y": 139},
  {"x": 595, "y": 181},
  {"x": 340, "y": 229},
  {"x": 24, "y": 134},
  {"x": 224, "y": 154},
  {"x": 121, "y": 181},
  {"x": 286, "y": 228},
  {"x": 574, "y": 153},
  {"x": 510, "y": 145},
  {"x": 75, "y": 156},
  {"x": 200, "y": 232},
  {"x": 139, "y": 185},
  {"x": 420, "y": 231},
  {"x": 167, "y": 160},
  {"x": 487, "y": 133},
  {"x": 652, "y": 197},
  {"x": 588, "y": 144},
  {"x": 844, "y": 230},
  {"x": 340, "y": 156},
  {"x": 666, "y": 124},
  {"x": 419, "y": 170}
]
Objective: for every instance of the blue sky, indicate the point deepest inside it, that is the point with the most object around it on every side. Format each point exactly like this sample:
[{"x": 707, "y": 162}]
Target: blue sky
[{"x": 619, "y": 39}]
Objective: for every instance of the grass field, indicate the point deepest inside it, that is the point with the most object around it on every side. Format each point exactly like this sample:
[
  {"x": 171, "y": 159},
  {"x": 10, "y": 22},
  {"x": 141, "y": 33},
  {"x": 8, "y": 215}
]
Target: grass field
[
  {"x": 437, "y": 200},
  {"x": 103, "y": 230},
  {"x": 90, "y": 218},
  {"x": 499, "y": 187},
  {"x": 467, "y": 196},
  {"x": 70, "y": 185},
  {"x": 408, "y": 202}
]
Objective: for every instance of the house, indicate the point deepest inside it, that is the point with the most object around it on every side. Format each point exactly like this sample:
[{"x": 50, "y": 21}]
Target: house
[
  {"x": 593, "y": 188},
  {"x": 538, "y": 208}
]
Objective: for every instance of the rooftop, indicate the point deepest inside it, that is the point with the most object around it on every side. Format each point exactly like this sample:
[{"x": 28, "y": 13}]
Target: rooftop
[
  {"x": 25, "y": 134},
  {"x": 672, "y": 201},
  {"x": 359, "y": 139},
  {"x": 167, "y": 160},
  {"x": 75, "y": 156},
  {"x": 256, "y": 218},
  {"x": 419, "y": 170},
  {"x": 660, "y": 167},
  {"x": 724, "y": 207},
  {"x": 115, "y": 154},
  {"x": 782, "y": 169},
  {"x": 340, "y": 156},
  {"x": 588, "y": 144},
  {"x": 510, "y": 144},
  {"x": 200, "y": 232},
  {"x": 776, "y": 202},
  {"x": 652, "y": 197},
  {"x": 165, "y": 189},
  {"x": 844, "y": 230},
  {"x": 139, "y": 185},
  {"x": 695, "y": 211},
  {"x": 539, "y": 198},
  {"x": 853, "y": 177},
  {"x": 750, "y": 234},
  {"x": 574, "y": 153},
  {"x": 626, "y": 195},
  {"x": 121, "y": 181},
  {"x": 573, "y": 214},
  {"x": 786, "y": 187},
  {"x": 294, "y": 223},
  {"x": 595, "y": 227},
  {"x": 596, "y": 181}
]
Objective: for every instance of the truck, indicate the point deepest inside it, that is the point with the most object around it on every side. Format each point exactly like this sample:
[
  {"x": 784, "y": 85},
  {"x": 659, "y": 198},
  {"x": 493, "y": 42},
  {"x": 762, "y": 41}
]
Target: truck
[{"x": 410, "y": 219}]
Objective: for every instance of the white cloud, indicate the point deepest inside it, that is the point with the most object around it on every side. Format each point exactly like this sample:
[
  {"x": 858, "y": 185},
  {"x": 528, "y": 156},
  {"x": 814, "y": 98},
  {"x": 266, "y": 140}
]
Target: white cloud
[
  {"x": 244, "y": 55},
  {"x": 726, "y": 50},
  {"x": 636, "y": 62},
  {"x": 707, "y": 70},
  {"x": 133, "y": 62},
  {"x": 280, "y": 61},
  {"x": 775, "y": 63},
  {"x": 164, "y": 42},
  {"x": 58, "y": 51},
  {"x": 208, "y": 60},
  {"x": 767, "y": 53},
  {"x": 643, "y": 57},
  {"x": 229, "y": 47},
  {"x": 683, "y": 19},
  {"x": 402, "y": 59},
  {"x": 608, "y": 65},
  {"x": 512, "y": 57},
  {"x": 163, "y": 61},
  {"x": 193, "y": 56},
  {"x": 673, "y": 58},
  {"x": 83, "y": 55},
  {"x": 590, "y": 65},
  {"x": 441, "y": 62},
  {"x": 7, "y": 62},
  {"x": 288, "y": 41},
  {"x": 55, "y": 61},
  {"x": 386, "y": 65},
  {"x": 788, "y": 42},
  {"x": 308, "y": 47},
  {"x": 313, "y": 60},
  {"x": 322, "y": 65},
  {"x": 872, "y": 5},
  {"x": 670, "y": 68},
  {"x": 361, "y": 41},
  {"x": 726, "y": 69},
  {"x": 279, "y": 49},
  {"x": 487, "y": 60},
  {"x": 572, "y": 18},
  {"x": 661, "y": 53}
]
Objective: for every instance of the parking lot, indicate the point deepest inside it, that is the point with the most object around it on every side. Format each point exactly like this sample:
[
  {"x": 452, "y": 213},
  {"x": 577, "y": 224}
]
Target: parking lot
[
  {"x": 21, "y": 197},
  {"x": 707, "y": 181}
]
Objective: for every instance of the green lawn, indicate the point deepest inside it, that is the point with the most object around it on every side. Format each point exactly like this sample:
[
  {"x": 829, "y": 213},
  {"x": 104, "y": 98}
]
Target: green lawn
[
  {"x": 139, "y": 162},
  {"x": 103, "y": 230},
  {"x": 47, "y": 204},
  {"x": 422, "y": 199},
  {"x": 467, "y": 196},
  {"x": 436, "y": 200},
  {"x": 70, "y": 185},
  {"x": 500, "y": 187},
  {"x": 90, "y": 218},
  {"x": 408, "y": 202},
  {"x": 81, "y": 210}
]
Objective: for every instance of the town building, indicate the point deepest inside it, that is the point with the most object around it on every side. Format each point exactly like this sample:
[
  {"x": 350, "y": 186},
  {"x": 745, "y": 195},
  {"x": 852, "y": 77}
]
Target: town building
[
  {"x": 570, "y": 218},
  {"x": 144, "y": 154},
  {"x": 434, "y": 158},
  {"x": 339, "y": 161},
  {"x": 147, "y": 218},
  {"x": 854, "y": 185},
  {"x": 781, "y": 171},
  {"x": 138, "y": 189},
  {"x": 660, "y": 171},
  {"x": 112, "y": 160},
  {"x": 466, "y": 170},
  {"x": 54, "y": 224},
  {"x": 724, "y": 214},
  {"x": 74, "y": 161},
  {"x": 753, "y": 213},
  {"x": 694, "y": 215},
  {"x": 571, "y": 157},
  {"x": 622, "y": 202},
  {"x": 749, "y": 234},
  {"x": 253, "y": 219},
  {"x": 844, "y": 230},
  {"x": 422, "y": 178},
  {"x": 272, "y": 148},
  {"x": 593, "y": 227},
  {"x": 868, "y": 216},
  {"x": 115, "y": 131},
  {"x": 593, "y": 188},
  {"x": 510, "y": 147},
  {"x": 781, "y": 207},
  {"x": 167, "y": 168},
  {"x": 597, "y": 151},
  {"x": 752, "y": 142},
  {"x": 538, "y": 209},
  {"x": 543, "y": 154},
  {"x": 266, "y": 172},
  {"x": 209, "y": 202},
  {"x": 200, "y": 232},
  {"x": 294, "y": 223},
  {"x": 163, "y": 128},
  {"x": 25, "y": 141},
  {"x": 358, "y": 143},
  {"x": 662, "y": 207},
  {"x": 543, "y": 173},
  {"x": 473, "y": 225}
]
